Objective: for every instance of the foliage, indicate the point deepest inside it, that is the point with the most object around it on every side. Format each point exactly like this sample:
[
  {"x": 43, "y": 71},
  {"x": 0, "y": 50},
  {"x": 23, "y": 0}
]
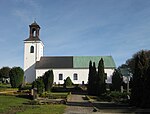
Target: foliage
[
  {"x": 131, "y": 62},
  {"x": 48, "y": 80},
  {"x": 38, "y": 83},
  {"x": 146, "y": 88},
  {"x": 44, "y": 82},
  {"x": 16, "y": 77},
  {"x": 4, "y": 72},
  {"x": 96, "y": 80},
  {"x": 26, "y": 87},
  {"x": 117, "y": 80},
  {"x": 101, "y": 85},
  {"x": 34, "y": 84},
  {"x": 140, "y": 66},
  {"x": 2, "y": 85},
  {"x": 68, "y": 82},
  {"x": 89, "y": 86},
  {"x": 92, "y": 83},
  {"x": 60, "y": 95},
  {"x": 118, "y": 96}
]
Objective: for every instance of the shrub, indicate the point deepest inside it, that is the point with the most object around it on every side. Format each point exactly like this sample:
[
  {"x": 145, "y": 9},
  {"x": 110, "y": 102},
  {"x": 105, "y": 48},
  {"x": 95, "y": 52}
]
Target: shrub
[
  {"x": 16, "y": 77},
  {"x": 118, "y": 96},
  {"x": 68, "y": 82},
  {"x": 38, "y": 83},
  {"x": 54, "y": 95},
  {"x": 26, "y": 87},
  {"x": 48, "y": 80}
]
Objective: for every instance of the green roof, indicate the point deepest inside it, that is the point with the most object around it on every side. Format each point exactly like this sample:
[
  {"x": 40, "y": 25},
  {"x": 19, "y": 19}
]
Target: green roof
[{"x": 83, "y": 61}]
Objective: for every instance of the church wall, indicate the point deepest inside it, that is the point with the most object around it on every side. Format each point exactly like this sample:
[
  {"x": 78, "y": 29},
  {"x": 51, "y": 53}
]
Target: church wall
[
  {"x": 39, "y": 50},
  {"x": 82, "y": 75},
  {"x": 31, "y": 58},
  {"x": 29, "y": 63}
]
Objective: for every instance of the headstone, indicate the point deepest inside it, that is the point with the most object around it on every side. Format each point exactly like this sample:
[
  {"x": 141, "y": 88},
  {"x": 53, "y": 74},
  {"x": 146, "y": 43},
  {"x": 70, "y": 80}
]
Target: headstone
[
  {"x": 121, "y": 89},
  {"x": 34, "y": 93}
]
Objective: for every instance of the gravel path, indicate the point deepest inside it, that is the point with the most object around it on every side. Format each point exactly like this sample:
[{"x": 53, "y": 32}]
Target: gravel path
[{"x": 77, "y": 105}]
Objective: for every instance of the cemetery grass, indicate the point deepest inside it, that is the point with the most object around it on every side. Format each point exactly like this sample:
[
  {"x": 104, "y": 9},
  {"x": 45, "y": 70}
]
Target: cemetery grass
[{"x": 16, "y": 105}]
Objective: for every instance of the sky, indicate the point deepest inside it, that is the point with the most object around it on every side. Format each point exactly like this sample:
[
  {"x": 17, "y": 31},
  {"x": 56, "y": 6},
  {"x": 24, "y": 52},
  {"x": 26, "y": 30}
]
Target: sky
[{"x": 117, "y": 28}]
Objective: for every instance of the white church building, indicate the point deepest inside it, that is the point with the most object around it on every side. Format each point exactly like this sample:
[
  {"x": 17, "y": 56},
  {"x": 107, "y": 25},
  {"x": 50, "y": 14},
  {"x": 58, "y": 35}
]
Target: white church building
[{"x": 75, "y": 67}]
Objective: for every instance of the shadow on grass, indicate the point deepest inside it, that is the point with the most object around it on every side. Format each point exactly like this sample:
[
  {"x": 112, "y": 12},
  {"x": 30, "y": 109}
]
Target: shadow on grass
[
  {"x": 81, "y": 104},
  {"x": 73, "y": 90},
  {"x": 119, "y": 108}
]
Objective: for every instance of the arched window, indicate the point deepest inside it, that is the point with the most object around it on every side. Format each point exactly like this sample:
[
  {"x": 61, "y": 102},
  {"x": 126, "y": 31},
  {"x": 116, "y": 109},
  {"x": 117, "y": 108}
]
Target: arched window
[{"x": 32, "y": 49}]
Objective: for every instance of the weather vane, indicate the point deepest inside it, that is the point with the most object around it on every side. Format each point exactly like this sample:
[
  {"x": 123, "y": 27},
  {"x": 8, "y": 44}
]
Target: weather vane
[{"x": 35, "y": 20}]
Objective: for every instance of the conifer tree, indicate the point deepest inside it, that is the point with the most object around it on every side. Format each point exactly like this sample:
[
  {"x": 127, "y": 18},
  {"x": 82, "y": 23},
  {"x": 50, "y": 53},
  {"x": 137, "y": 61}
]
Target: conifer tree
[
  {"x": 40, "y": 85},
  {"x": 94, "y": 80},
  {"x": 101, "y": 85},
  {"x": 68, "y": 82},
  {"x": 89, "y": 88},
  {"x": 51, "y": 79},
  {"x": 48, "y": 80},
  {"x": 117, "y": 80}
]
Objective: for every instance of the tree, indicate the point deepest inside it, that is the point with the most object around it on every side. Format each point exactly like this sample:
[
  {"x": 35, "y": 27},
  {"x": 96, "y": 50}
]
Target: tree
[
  {"x": 16, "y": 77},
  {"x": 140, "y": 74},
  {"x": 101, "y": 85},
  {"x": 146, "y": 95},
  {"x": 89, "y": 88},
  {"x": 39, "y": 85},
  {"x": 68, "y": 82},
  {"x": 4, "y": 72},
  {"x": 92, "y": 83},
  {"x": 131, "y": 62},
  {"x": 94, "y": 80},
  {"x": 48, "y": 79},
  {"x": 117, "y": 80}
]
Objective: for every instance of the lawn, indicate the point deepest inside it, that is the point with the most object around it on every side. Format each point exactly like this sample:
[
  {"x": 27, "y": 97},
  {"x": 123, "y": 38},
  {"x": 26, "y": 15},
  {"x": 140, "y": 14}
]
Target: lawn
[
  {"x": 8, "y": 102},
  {"x": 45, "y": 109},
  {"x": 15, "y": 105}
]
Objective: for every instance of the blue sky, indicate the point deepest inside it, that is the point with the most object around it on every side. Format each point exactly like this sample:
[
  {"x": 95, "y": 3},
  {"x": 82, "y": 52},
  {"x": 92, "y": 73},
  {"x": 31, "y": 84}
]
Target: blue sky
[{"x": 118, "y": 28}]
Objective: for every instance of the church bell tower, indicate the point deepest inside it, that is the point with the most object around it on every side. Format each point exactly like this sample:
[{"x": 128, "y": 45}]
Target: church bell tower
[{"x": 33, "y": 51}]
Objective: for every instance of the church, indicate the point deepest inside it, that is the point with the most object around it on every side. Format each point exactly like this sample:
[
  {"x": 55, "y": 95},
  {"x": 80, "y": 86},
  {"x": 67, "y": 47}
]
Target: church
[{"x": 75, "y": 67}]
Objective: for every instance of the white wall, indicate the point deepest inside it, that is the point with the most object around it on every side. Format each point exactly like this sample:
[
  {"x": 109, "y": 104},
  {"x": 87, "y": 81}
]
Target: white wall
[
  {"x": 82, "y": 75},
  {"x": 31, "y": 58}
]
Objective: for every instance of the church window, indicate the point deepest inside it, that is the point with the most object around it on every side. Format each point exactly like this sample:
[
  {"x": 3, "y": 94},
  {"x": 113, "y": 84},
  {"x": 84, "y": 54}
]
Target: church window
[
  {"x": 32, "y": 49},
  {"x": 60, "y": 76},
  {"x": 75, "y": 76}
]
